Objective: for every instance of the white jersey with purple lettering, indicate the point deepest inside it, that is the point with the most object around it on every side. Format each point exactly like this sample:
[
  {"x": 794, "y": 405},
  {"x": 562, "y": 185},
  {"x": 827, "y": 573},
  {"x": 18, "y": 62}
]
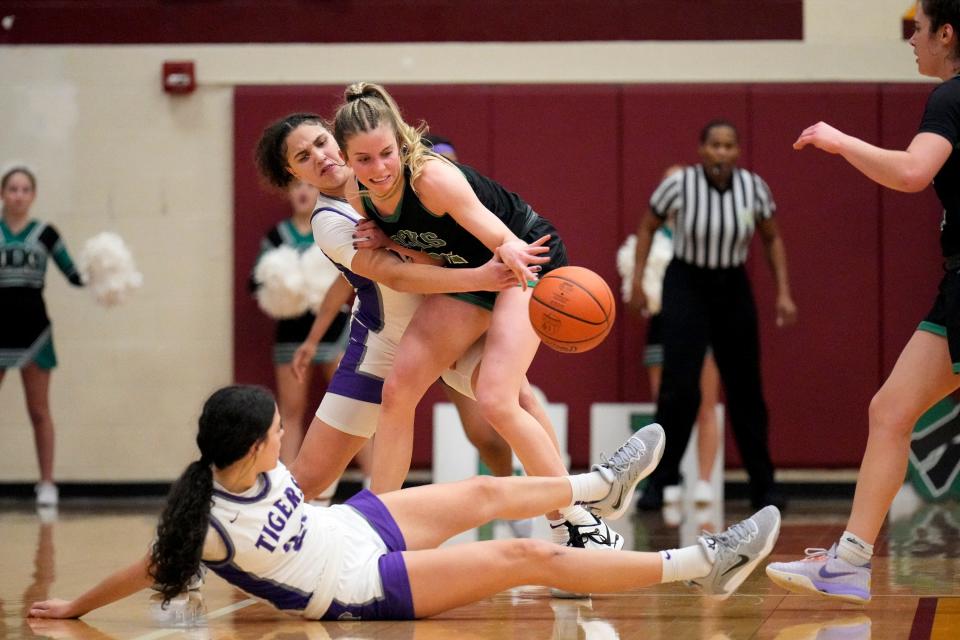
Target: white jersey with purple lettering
[
  {"x": 380, "y": 316},
  {"x": 378, "y": 308},
  {"x": 271, "y": 544}
]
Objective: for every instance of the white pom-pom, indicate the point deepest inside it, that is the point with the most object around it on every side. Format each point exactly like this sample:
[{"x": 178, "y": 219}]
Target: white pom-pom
[
  {"x": 107, "y": 268},
  {"x": 282, "y": 292},
  {"x": 626, "y": 260},
  {"x": 319, "y": 273},
  {"x": 661, "y": 252}
]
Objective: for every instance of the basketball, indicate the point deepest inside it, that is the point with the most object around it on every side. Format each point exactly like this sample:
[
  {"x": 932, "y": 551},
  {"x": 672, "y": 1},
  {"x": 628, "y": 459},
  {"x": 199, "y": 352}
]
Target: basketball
[{"x": 572, "y": 309}]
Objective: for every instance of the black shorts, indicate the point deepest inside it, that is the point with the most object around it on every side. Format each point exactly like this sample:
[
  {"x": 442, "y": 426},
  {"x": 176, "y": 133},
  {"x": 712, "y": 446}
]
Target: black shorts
[
  {"x": 558, "y": 250},
  {"x": 291, "y": 332},
  {"x": 944, "y": 317},
  {"x": 653, "y": 351},
  {"x": 558, "y": 258}
]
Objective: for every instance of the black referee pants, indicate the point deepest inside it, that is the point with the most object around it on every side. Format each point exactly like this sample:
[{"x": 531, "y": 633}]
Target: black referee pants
[{"x": 712, "y": 307}]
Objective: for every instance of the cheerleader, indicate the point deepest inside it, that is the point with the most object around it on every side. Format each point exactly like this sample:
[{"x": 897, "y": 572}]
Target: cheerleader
[{"x": 26, "y": 334}]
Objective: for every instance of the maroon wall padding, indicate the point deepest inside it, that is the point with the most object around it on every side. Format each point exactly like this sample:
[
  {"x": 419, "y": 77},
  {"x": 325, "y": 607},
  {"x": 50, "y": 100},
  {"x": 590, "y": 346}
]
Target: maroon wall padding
[
  {"x": 819, "y": 375},
  {"x": 863, "y": 260},
  {"x": 909, "y": 230},
  {"x": 554, "y": 145},
  {"x": 333, "y": 21},
  {"x": 257, "y": 208}
]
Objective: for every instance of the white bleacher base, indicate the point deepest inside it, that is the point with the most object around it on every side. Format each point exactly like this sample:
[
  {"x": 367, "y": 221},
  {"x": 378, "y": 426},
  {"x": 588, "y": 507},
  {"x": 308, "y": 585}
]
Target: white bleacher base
[
  {"x": 610, "y": 426},
  {"x": 454, "y": 458}
]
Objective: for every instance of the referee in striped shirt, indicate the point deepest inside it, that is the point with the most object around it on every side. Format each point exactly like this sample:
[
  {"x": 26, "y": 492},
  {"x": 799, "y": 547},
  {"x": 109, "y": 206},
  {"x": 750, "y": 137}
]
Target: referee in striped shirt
[{"x": 707, "y": 301}]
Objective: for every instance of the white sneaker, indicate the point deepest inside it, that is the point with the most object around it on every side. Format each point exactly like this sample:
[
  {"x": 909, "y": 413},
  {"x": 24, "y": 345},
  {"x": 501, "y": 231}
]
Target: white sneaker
[
  {"x": 702, "y": 493},
  {"x": 47, "y": 494},
  {"x": 672, "y": 494},
  {"x": 672, "y": 514}
]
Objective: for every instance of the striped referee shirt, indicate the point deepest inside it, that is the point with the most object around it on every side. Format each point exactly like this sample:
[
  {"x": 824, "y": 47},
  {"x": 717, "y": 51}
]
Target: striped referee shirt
[{"x": 713, "y": 228}]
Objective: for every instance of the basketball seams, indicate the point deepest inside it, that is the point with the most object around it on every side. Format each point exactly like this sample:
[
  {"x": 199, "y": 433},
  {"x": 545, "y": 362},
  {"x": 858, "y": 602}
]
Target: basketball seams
[
  {"x": 573, "y": 317},
  {"x": 571, "y": 303},
  {"x": 581, "y": 288}
]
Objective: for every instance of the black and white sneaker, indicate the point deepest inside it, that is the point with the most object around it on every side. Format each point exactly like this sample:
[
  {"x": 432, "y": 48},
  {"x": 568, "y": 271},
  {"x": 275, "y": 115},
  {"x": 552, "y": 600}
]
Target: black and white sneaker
[{"x": 596, "y": 535}]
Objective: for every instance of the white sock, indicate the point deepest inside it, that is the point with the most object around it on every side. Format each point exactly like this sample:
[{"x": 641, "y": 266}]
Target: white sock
[
  {"x": 588, "y": 487},
  {"x": 558, "y": 532},
  {"x": 577, "y": 515},
  {"x": 685, "y": 564},
  {"x": 854, "y": 549}
]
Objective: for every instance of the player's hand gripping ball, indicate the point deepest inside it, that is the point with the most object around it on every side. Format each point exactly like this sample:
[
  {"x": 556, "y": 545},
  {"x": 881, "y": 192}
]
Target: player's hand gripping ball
[{"x": 572, "y": 309}]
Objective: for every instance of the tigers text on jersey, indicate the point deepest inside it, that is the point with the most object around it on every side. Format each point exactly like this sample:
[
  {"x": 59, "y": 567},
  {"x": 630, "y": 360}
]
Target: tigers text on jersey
[
  {"x": 713, "y": 227},
  {"x": 275, "y": 546}
]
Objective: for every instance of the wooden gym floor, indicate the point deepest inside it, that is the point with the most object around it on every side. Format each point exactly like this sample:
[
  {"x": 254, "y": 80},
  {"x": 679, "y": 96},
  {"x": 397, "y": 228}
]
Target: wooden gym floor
[{"x": 916, "y": 586}]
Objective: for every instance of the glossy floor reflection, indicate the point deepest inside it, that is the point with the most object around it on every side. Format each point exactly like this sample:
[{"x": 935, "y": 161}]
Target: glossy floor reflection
[{"x": 916, "y": 585}]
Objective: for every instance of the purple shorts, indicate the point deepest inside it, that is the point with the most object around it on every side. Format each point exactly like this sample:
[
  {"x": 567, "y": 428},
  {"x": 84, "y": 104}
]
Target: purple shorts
[{"x": 397, "y": 601}]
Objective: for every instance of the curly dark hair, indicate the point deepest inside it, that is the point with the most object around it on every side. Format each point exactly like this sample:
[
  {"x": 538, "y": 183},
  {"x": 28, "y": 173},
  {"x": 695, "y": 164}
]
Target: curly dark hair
[
  {"x": 234, "y": 419},
  {"x": 271, "y": 152}
]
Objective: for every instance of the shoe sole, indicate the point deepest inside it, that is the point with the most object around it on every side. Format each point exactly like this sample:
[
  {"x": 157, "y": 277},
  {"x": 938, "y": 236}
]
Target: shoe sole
[
  {"x": 748, "y": 568},
  {"x": 628, "y": 500},
  {"x": 796, "y": 583}
]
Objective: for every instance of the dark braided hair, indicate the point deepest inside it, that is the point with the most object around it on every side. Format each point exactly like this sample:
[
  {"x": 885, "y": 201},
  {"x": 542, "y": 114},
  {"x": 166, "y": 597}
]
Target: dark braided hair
[
  {"x": 233, "y": 420},
  {"x": 271, "y": 152}
]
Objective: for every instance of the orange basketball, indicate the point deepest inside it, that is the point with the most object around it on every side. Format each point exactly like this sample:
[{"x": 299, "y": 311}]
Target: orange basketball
[{"x": 572, "y": 309}]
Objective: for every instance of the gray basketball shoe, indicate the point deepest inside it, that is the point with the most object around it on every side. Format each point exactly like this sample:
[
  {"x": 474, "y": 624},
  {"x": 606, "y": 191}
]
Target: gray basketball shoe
[
  {"x": 737, "y": 551},
  {"x": 632, "y": 462}
]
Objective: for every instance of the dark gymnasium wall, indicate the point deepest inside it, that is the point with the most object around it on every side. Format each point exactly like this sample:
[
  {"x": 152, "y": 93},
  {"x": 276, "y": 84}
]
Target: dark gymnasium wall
[{"x": 863, "y": 261}]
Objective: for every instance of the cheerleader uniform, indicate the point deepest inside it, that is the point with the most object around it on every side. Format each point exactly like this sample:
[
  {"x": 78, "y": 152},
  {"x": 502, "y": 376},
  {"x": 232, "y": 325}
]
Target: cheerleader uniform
[
  {"x": 26, "y": 334},
  {"x": 291, "y": 332}
]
